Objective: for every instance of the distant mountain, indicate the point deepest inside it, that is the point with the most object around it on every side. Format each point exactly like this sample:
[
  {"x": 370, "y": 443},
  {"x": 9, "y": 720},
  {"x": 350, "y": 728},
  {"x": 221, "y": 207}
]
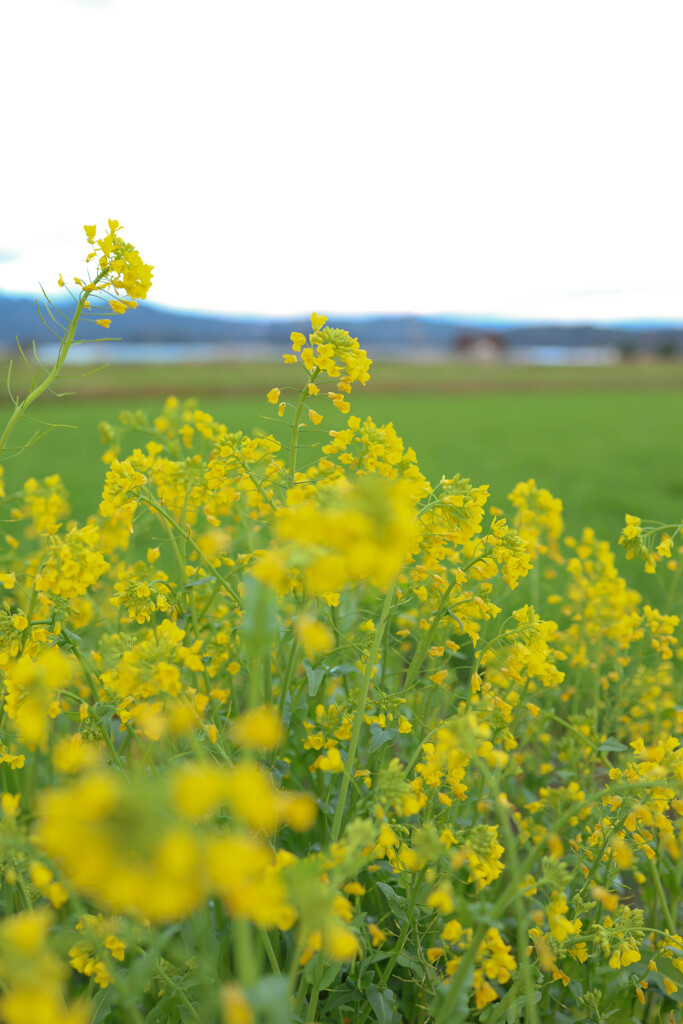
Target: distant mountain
[{"x": 151, "y": 324}]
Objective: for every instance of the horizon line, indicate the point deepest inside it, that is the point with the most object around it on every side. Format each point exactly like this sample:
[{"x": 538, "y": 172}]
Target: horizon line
[{"x": 447, "y": 317}]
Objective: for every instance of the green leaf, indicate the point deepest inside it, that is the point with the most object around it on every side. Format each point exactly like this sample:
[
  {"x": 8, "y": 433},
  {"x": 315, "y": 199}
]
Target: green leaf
[
  {"x": 342, "y": 997},
  {"x": 374, "y": 958},
  {"x": 380, "y": 736},
  {"x": 382, "y": 1004},
  {"x": 665, "y": 967},
  {"x": 315, "y": 677},
  {"x": 612, "y": 744},
  {"x": 512, "y": 1006},
  {"x": 280, "y": 771},
  {"x": 344, "y": 669},
  {"x": 268, "y": 997},
  {"x": 103, "y": 1006},
  {"x": 330, "y": 972},
  {"x": 197, "y": 581},
  {"x": 459, "y": 1009},
  {"x": 395, "y": 902},
  {"x": 410, "y": 960},
  {"x": 186, "y": 1015},
  {"x": 142, "y": 969},
  {"x": 67, "y": 638},
  {"x": 165, "y": 1009}
]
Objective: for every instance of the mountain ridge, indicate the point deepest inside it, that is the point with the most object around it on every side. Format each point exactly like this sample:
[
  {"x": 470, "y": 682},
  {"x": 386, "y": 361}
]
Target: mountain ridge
[{"x": 151, "y": 324}]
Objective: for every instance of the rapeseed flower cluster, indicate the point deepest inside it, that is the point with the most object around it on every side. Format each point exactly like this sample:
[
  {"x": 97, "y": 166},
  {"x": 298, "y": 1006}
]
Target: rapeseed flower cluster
[
  {"x": 120, "y": 267},
  {"x": 287, "y": 740}
]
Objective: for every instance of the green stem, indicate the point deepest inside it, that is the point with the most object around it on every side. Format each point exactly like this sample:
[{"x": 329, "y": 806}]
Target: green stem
[
  {"x": 663, "y": 902},
  {"x": 360, "y": 714},
  {"x": 96, "y": 697},
  {"x": 597, "y": 858},
  {"x": 24, "y": 891},
  {"x": 577, "y": 732},
  {"x": 427, "y": 638},
  {"x": 257, "y": 484},
  {"x": 167, "y": 980},
  {"x": 521, "y": 912},
  {"x": 315, "y": 991},
  {"x": 295, "y": 429},
  {"x": 405, "y": 928},
  {"x": 247, "y": 971},
  {"x": 188, "y": 537},
  {"x": 270, "y": 952},
  {"x": 67, "y": 341},
  {"x": 286, "y": 682},
  {"x": 301, "y": 992},
  {"x": 500, "y": 1011},
  {"x": 180, "y": 561}
]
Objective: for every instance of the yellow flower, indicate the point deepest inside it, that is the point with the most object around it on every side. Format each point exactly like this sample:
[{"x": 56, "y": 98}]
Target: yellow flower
[
  {"x": 623, "y": 855},
  {"x": 259, "y": 729},
  {"x": 26, "y": 932},
  {"x": 43, "y": 879},
  {"x": 235, "y": 1005},
  {"x": 555, "y": 845},
  {"x": 441, "y": 900},
  {"x": 664, "y": 547},
  {"x": 273, "y": 396},
  {"x": 315, "y": 637},
  {"x": 452, "y": 931},
  {"x": 559, "y": 925},
  {"x": 197, "y": 790},
  {"x": 354, "y": 889},
  {"x": 341, "y": 943},
  {"x": 609, "y": 900},
  {"x": 243, "y": 872},
  {"x": 331, "y": 761},
  {"x": 30, "y": 693},
  {"x": 10, "y": 804}
]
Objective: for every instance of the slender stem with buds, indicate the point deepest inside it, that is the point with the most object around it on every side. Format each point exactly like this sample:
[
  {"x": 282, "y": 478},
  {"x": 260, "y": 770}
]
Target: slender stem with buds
[{"x": 67, "y": 341}]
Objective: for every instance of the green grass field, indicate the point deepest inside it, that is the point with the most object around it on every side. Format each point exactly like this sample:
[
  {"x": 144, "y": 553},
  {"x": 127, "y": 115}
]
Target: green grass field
[
  {"x": 605, "y": 440},
  {"x": 250, "y": 377}
]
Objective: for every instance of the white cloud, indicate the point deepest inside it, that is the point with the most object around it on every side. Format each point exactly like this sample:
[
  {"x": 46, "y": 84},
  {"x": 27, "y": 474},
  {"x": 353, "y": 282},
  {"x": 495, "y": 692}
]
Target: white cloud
[{"x": 366, "y": 155}]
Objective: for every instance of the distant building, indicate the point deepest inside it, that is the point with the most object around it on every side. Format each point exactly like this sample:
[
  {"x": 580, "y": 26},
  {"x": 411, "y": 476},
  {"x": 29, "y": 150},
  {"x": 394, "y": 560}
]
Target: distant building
[{"x": 480, "y": 347}]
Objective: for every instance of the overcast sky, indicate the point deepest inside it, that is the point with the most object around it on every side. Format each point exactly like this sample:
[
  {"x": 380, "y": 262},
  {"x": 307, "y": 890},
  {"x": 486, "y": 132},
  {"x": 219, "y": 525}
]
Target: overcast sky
[{"x": 279, "y": 156}]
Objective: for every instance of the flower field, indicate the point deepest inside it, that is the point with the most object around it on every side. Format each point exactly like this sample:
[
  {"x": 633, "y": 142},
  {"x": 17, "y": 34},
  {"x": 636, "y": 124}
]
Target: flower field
[{"x": 291, "y": 733}]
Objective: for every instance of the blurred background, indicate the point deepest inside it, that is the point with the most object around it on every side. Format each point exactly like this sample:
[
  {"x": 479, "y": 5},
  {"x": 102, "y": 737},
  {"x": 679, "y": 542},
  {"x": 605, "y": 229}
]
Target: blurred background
[{"x": 487, "y": 195}]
